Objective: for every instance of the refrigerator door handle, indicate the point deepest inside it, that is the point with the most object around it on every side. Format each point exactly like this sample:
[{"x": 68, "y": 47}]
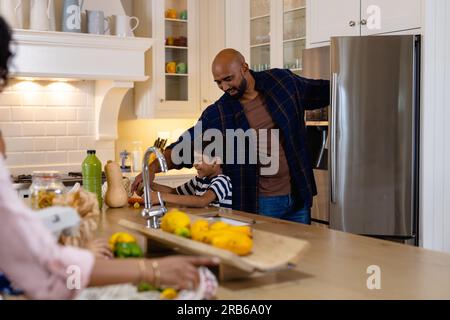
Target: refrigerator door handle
[{"x": 333, "y": 136}]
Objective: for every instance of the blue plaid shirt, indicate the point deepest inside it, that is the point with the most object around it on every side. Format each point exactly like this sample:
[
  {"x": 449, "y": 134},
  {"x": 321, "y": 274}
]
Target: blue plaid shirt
[{"x": 287, "y": 95}]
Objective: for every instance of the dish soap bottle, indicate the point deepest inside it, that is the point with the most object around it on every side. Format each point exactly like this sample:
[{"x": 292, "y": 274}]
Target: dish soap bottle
[
  {"x": 137, "y": 156},
  {"x": 92, "y": 175}
]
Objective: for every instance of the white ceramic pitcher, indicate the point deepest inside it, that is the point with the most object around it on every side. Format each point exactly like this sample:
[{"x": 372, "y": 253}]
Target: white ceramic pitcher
[
  {"x": 11, "y": 11},
  {"x": 42, "y": 15}
]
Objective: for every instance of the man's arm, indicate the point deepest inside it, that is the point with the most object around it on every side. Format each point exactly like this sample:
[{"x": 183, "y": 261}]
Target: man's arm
[
  {"x": 186, "y": 200},
  {"x": 154, "y": 166},
  {"x": 314, "y": 94},
  {"x": 153, "y": 169},
  {"x": 163, "y": 189}
]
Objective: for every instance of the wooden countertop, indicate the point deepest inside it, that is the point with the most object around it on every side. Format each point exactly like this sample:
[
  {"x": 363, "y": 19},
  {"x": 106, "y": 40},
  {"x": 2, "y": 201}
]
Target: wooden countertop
[{"x": 335, "y": 267}]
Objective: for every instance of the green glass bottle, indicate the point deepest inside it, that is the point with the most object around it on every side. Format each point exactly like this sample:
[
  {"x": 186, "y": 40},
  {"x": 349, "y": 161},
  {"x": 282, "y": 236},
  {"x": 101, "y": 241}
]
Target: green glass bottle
[{"x": 91, "y": 169}]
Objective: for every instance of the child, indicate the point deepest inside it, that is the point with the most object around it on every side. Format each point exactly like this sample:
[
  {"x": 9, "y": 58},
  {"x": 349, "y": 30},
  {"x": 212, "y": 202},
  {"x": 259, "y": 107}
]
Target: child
[{"x": 209, "y": 188}]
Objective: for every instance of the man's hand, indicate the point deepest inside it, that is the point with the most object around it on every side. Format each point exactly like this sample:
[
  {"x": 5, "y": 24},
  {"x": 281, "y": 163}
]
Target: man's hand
[
  {"x": 136, "y": 186},
  {"x": 154, "y": 198}
]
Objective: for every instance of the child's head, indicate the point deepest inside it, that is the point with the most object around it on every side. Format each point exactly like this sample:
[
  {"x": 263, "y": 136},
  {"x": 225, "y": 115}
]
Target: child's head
[{"x": 206, "y": 162}]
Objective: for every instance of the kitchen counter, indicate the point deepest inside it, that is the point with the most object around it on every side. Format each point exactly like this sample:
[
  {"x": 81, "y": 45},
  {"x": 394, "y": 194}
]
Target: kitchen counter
[{"x": 335, "y": 267}]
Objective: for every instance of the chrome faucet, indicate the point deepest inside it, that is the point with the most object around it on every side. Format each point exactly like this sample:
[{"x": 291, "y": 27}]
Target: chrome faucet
[{"x": 152, "y": 215}]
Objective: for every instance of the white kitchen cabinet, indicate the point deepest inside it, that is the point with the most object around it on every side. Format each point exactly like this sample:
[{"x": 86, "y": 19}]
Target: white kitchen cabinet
[
  {"x": 328, "y": 18},
  {"x": 212, "y": 41},
  {"x": 394, "y": 16},
  {"x": 274, "y": 32},
  {"x": 293, "y": 15},
  {"x": 179, "y": 95},
  {"x": 171, "y": 92},
  {"x": 262, "y": 38}
]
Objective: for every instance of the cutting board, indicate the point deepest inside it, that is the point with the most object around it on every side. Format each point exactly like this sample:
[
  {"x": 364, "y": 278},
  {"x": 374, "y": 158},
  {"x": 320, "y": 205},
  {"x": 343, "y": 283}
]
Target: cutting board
[{"x": 270, "y": 252}]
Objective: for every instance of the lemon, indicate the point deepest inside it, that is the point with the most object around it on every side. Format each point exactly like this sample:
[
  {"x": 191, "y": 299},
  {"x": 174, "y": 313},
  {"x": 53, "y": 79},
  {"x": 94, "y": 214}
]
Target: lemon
[
  {"x": 242, "y": 229},
  {"x": 220, "y": 225},
  {"x": 236, "y": 242},
  {"x": 175, "y": 219},
  {"x": 136, "y": 205},
  {"x": 120, "y": 237},
  {"x": 169, "y": 293},
  {"x": 183, "y": 232}
]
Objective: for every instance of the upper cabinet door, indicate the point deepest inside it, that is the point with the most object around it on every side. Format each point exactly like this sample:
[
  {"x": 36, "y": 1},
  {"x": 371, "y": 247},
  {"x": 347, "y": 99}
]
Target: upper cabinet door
[
  {"x": 383, "y": 16},
  {"x": 333, "y": 18},
  {"x": 294, "y": 34},
  {"x": 212, "y": 40},
  {"x": 260, "y": 34}
]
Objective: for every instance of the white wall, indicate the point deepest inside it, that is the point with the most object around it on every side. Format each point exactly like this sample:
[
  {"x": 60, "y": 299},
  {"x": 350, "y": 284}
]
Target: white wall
[
  {"x": 49, "y": 125},
  {"x": 435, "y": 164}
]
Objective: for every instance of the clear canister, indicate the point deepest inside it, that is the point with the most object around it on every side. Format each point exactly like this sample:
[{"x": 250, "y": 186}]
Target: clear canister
[{"x": 45, "y": 186}]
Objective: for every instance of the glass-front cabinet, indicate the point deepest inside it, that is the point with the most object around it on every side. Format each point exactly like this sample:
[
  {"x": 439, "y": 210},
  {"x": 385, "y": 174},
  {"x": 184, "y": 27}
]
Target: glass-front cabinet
[
  {"x": 175, "y": 30},
  {"x": 277, "y": 34},
  {"x": 260, "y": 34},
  {"x": 294, "y": 33}
]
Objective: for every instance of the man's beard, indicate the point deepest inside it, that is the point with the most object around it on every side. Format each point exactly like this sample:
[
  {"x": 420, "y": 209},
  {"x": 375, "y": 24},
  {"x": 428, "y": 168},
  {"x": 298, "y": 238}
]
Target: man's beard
[{"x": 240, "y": 91}]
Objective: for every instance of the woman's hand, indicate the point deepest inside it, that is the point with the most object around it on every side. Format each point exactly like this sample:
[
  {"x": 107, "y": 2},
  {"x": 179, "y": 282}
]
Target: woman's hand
[
  {"x": 181, "y": 272},
  {"x": 100, "y": 248}
]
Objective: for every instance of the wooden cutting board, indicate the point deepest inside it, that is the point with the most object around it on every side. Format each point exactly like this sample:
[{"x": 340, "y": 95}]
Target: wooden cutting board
[{"x": 270, "y": 252}]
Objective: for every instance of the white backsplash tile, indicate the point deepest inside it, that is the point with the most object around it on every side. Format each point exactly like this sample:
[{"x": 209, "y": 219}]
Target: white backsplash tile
[
  {"x": 19, "y": 144},
  {"x": 76, "y": 128},
  {"x": 55, "y": 128},
  {"x": 76, "y": 99},
  {"x": 50, "y": 125},
  {"x": 85, "y": 114},
  {"x": 86, "y": 143},
  {"x": 15, "y": 159},
  {"x": 22, "y": 114},
  {"x": 45, "y": 144},
  {"x": 56, "y": 157},
  {"x": 46, "y": 114},
  {"x": 33, "y": 99},
  {"x": 10, "y": 99},
  {"x": 57, "y": 98},
  {"x": 5, "y": 114},
  {"x": 36, "y": 158},
  {"x": 10, "y": 129},
  {"x": 33, "y": 129},
  {"x": 66, "y": 143},
  {"x": 105, "y": 154},
  {"x": 76, "y": 156},
  {"x": 66, "y": 114}
]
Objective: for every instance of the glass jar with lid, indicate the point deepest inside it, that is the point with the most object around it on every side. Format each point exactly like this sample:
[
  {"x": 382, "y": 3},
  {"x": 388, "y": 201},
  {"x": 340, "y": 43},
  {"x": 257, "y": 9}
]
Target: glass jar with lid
[{"x": 45, "y": 186}]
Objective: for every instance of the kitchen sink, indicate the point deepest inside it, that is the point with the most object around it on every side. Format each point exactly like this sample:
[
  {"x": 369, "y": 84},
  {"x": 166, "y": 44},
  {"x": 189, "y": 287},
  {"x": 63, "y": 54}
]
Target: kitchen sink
[
  {"x": 227, "y": 217},
  {"x": 230, "y": 221}
]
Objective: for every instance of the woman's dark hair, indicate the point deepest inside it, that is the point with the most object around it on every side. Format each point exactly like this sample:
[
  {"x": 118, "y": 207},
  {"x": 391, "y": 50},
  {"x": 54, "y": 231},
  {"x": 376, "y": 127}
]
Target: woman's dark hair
[{"x": 5, "y": 52}]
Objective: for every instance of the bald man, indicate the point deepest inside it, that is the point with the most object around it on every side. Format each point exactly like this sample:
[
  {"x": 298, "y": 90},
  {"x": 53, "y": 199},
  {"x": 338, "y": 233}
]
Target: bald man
[{"x": 272, "y": 100}]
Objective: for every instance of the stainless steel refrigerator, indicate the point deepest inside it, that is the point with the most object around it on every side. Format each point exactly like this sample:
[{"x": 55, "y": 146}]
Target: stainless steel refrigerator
[{"x": 374, "y": 136}]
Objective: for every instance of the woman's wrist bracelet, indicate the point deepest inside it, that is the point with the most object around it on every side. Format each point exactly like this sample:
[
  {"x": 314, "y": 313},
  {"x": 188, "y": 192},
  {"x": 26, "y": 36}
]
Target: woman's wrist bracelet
[
  {"x": 142, "y": 270},
  {"x": 156, "y": 274}
]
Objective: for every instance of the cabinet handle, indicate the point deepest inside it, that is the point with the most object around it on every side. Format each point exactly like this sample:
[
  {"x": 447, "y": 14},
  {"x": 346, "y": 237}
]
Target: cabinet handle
[
  {"x": 363, "y": 22},
  {"x": 161, "y": 100},
  {"x": 352, "y": 23}
]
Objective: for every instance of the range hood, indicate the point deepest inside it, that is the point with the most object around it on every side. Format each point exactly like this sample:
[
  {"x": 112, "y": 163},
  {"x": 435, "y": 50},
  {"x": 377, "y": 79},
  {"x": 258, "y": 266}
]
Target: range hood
[{"x": 114, "y": 63}]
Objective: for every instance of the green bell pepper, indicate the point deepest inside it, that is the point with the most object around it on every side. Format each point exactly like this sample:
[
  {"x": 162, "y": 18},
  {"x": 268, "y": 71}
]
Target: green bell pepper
[{"x": 128, "y": 250}]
